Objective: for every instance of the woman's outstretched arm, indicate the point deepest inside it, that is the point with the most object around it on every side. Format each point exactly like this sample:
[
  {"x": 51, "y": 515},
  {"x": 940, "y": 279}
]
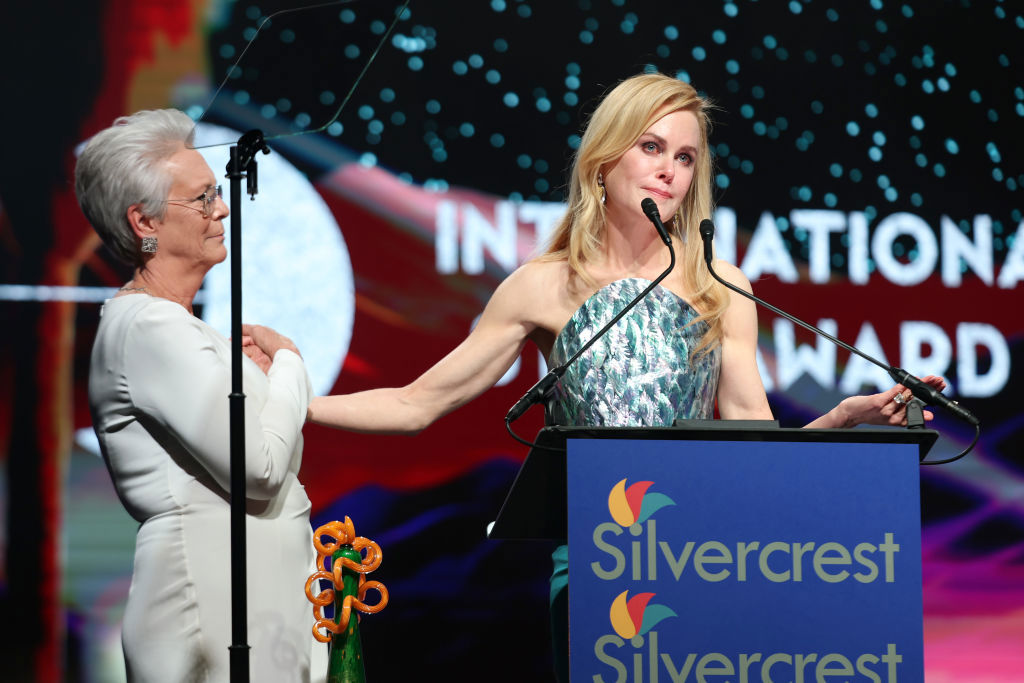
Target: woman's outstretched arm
[
  {"x": 875, "y": 409},
  {"x": 741, "y": 394},
  {"x": 465, "y": 373}
]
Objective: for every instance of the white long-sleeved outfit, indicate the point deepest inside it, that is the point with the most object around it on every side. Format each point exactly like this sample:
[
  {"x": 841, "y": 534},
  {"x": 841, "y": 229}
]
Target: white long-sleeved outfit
[{"x": 158, "y": 390}]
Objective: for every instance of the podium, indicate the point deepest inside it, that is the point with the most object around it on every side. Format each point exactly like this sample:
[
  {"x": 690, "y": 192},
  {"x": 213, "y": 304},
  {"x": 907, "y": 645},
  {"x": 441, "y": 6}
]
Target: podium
[{"x": 732, "y": 554}]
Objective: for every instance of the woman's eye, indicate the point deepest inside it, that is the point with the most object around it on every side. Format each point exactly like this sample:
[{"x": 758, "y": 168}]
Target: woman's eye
[{"x": 650, "y": 147}]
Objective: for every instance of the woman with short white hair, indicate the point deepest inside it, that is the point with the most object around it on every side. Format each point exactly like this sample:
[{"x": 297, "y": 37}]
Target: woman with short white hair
[{"x": 158, "y": 390}]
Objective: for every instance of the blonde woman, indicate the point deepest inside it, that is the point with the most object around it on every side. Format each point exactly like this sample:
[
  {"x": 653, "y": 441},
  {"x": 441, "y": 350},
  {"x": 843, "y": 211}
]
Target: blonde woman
[
  {"x": 648, "y": 138},
  {"x": 689, "y": 345}
]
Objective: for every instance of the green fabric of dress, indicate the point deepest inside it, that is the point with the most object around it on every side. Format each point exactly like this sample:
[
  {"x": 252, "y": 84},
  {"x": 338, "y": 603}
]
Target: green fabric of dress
[{"x": 642, "y": 373}]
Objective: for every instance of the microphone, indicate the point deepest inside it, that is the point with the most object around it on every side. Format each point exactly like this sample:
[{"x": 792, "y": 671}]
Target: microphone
[
  {"x": 917, "y": 387},
  {"x": 651, "y": 210},
  {"x": 707, "y": 233},
  {"x": 539, "y": 391}
]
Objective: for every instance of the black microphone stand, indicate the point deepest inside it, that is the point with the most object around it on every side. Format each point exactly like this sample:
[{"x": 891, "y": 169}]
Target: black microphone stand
[
  {"x": 899, "y": 375},
  {"x": 242, "y": 164},
  {"x": 917, "y": 387}
]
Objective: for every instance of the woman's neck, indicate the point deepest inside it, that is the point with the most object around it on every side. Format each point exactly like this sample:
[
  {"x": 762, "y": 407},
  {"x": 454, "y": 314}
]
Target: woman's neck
[
  {"x": 633, "y": 248},
  {"x": 154, "y": 280}
]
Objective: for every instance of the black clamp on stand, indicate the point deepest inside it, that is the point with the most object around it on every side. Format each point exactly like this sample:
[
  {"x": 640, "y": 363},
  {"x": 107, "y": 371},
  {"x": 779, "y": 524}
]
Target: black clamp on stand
[
  {"x": 915, "y": 413},
  {"x": 242, "y": 164}
]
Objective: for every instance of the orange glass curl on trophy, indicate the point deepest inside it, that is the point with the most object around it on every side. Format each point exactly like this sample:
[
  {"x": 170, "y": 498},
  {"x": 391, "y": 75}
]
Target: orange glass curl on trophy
[{"x": 349, "y": 568}]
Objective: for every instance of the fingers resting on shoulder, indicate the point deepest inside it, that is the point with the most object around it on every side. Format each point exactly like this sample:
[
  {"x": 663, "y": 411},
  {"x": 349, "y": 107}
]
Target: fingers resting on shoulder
[
  {"x": 256, "y": 355},
  {"x": 268, "y": 340}
]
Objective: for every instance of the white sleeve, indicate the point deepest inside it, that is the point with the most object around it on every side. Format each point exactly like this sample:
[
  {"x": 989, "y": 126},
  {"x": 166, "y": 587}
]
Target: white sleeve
[{"x": 176, "y": 376}]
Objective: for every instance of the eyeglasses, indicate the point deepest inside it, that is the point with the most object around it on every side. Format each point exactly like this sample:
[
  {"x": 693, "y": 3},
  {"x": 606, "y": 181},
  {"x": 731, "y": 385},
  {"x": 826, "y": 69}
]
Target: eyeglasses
[{"x": 208, "y": 197}]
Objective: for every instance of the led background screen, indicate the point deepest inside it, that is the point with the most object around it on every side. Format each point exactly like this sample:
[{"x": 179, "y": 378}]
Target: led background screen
[{"x": 868, "y": 178}]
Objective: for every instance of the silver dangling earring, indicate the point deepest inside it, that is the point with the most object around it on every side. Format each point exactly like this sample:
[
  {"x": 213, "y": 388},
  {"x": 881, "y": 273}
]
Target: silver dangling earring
[
  {"x": 677, "y": 228},
  {"x": 600, "y": 184},
  {"x": 148, "y": 245}
]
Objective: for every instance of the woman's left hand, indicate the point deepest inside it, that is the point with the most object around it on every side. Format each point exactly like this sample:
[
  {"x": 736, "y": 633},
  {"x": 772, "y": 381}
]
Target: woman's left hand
[
  {"x": 269, "y": 341},
  {"x": 256, "y": 354},
  {"x": 885, "y": 408}
]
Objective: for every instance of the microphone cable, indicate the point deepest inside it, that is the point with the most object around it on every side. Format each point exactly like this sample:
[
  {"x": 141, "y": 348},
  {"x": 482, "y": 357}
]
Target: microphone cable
[{"x": 970, "y": 447}]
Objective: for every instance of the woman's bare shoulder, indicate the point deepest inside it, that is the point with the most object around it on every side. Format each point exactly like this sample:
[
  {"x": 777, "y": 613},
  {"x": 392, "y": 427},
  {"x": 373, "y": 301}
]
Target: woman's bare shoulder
[
  {"x": 732, "y": 274},
  {"x": 537, "y": 277},
  {"x": 540, "y": 267},
  {"x": 539, "y": 294}
]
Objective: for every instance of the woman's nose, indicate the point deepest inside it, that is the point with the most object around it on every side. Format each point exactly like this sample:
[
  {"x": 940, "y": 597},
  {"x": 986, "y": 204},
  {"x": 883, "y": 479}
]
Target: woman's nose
[
  {"x": 667, "y": 171},
  {"x": 220, "y": 209}
]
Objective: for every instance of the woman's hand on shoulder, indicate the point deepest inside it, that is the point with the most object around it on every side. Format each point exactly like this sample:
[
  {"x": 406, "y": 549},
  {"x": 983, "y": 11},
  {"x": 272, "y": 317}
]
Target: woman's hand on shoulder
[
  {"x": 267, "y": 340},
  {"x": 256, "y": 354}
]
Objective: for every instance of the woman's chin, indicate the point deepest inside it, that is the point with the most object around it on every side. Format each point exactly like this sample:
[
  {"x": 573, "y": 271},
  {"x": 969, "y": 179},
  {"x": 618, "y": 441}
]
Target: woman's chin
[{"x": 220, "y": 254}]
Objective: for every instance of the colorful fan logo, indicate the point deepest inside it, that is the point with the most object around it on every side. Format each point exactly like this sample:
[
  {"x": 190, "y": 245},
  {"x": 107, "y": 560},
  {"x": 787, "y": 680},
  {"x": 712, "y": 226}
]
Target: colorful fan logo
[
  {"x": 634, "y": 505},
  {"x": 636, "y": 616}
]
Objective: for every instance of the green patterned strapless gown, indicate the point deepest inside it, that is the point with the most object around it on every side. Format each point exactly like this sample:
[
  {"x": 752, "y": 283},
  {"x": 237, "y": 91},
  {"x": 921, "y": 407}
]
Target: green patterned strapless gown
[{"x": 642, "y": 373}]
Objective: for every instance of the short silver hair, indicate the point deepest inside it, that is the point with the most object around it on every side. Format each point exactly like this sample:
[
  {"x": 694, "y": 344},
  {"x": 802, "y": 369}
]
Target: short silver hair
[{"x": 124, "y": 165}]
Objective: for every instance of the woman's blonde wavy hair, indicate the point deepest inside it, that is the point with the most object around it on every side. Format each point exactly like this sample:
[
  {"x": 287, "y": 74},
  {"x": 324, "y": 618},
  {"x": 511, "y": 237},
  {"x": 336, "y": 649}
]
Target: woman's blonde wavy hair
[{"x": 626, "y": 112}]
